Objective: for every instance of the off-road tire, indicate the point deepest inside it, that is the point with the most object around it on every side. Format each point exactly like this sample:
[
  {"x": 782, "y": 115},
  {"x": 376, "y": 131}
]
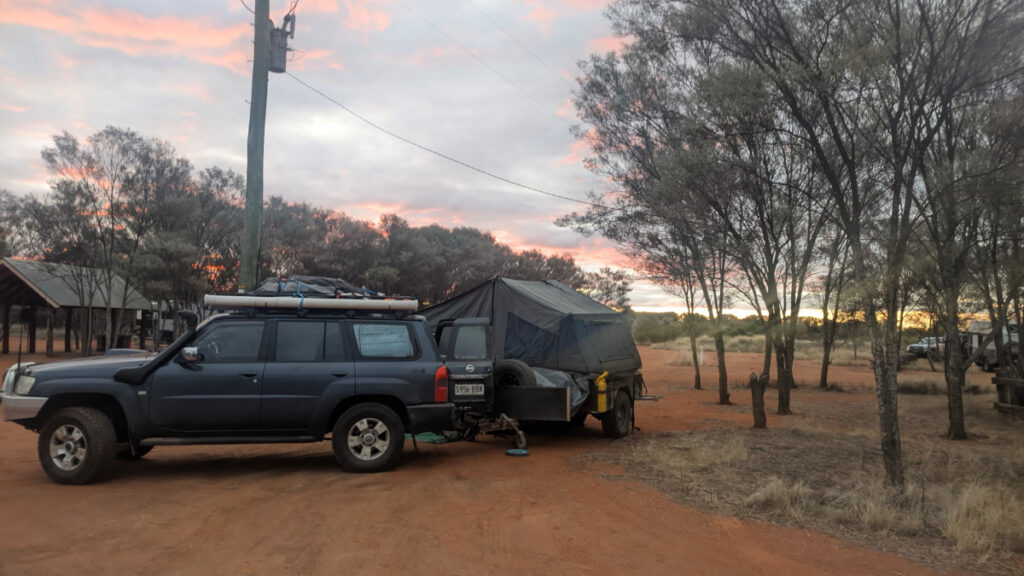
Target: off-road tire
[
  {"x": 82, "y": 431},
  {"x": 130, "y": 456},
  {"x": 616, "y": 422},
  {"x": 373, "y": 430},
  {"x": 513, "y": 373}
]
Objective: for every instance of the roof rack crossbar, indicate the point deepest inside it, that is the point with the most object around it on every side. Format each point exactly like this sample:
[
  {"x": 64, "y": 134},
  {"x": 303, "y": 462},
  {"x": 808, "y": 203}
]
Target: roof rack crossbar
[{"x": 220, "y": 301}]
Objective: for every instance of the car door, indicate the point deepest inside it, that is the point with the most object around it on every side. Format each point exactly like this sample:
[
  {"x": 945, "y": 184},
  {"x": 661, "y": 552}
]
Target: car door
[
  {"x": 465, "y": 347},
  {"x": 307, "y": 356},
  {"x": 220, "y": 390},
  {"x": 391, "y": 361}
]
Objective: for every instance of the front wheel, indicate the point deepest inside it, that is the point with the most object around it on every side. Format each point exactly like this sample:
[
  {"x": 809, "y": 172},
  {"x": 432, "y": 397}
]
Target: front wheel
[
  {"x": 615, "y": 423},
  {"x": 368, "y": 438},
  {"x": 77, "y": 445}
]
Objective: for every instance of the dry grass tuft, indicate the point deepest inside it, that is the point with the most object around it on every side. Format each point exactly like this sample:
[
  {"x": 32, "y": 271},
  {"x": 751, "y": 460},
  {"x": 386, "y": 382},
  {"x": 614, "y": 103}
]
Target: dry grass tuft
[
  {"x": 985, "y": 519},
  {"x": 776, "y": 494},
  {"x": 960, "y": 506}
]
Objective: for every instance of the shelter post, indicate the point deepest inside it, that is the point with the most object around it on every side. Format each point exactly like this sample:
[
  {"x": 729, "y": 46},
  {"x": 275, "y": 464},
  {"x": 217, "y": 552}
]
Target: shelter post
[
  {"x": 5, "y": 331},
  {"x": 50, "y": 319},
  {"x": 67, "y": 329},
  {"x": 31, "y": 329}
]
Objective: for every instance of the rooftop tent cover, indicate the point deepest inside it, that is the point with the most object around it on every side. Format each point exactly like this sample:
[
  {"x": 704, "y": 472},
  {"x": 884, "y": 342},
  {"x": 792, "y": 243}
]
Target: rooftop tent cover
[
  {"x": 310, "y": 287},
  {"x": 547, "y": 325}
]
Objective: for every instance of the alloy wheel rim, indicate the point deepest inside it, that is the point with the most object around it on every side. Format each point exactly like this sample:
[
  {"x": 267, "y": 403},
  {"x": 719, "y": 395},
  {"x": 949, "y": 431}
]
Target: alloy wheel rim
[
  {"x": 68, "y": 447},
  {"x": 368, "y": 439}
]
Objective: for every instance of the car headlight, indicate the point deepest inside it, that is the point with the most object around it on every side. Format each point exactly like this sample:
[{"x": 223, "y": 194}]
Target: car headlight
[
  {"x": 23, "y": 384},
  {"x": 8, "y": 382}
]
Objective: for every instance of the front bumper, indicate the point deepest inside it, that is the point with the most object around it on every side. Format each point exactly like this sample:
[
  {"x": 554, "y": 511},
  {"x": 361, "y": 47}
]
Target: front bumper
[{"x": 14, "y": 407}]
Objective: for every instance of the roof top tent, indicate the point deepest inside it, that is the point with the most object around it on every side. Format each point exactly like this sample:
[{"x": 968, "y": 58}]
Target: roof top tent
[{"x": 547, "y": 325}]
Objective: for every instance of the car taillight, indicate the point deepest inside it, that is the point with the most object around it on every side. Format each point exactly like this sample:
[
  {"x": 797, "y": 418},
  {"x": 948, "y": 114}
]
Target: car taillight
[{"x": 441, "y": 384}]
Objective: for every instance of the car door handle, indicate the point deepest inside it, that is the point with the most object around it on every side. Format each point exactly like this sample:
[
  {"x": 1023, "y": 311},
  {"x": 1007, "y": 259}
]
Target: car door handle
[
  {"x": 247, "y": 374},
  {"x": 339, "y": 374}
]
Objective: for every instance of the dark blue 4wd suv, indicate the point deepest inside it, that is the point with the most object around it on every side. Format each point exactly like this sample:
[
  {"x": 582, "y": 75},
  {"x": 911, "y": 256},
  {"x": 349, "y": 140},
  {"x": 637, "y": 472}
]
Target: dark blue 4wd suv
[{"x": 364, "y": 379}]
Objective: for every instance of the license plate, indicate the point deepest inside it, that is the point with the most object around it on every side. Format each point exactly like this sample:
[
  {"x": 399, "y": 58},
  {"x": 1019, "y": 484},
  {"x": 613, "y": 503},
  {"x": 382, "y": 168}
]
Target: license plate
[{"x": 469, "y": 389}]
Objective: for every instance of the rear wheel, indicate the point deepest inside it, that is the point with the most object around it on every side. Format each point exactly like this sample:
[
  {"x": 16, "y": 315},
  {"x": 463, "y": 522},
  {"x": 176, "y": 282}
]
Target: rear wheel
[
  {"x": 77, "y": 445},
  {"x": 616, "y": 421},
  {"x": 368, "y": 438}
]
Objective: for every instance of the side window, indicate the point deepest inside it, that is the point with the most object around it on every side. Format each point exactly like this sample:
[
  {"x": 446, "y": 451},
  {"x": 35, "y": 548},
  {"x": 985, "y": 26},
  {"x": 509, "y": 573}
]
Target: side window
[
  {"x": 391, "y": 341},
  {"x": 238, "y": 342},
  {"x": 334, "y": 348},
  {"x": 299, "y": 341},
  {"x": 471, "y": 343}
]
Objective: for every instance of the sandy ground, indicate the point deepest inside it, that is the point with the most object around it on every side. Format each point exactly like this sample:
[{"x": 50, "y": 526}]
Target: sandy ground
[{"x": 452, "y": 509}]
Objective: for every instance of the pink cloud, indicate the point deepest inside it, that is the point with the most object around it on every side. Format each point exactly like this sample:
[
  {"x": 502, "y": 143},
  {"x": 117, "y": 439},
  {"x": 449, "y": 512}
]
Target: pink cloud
[
  {"x": 429, "y": 53},
  {"x": 365, "y": 19},
  {"x": 567, "y": 109},
  {"x": 196, "y": 90},
  {"x": 608, "y": 43},
  {"x": 135, "y": 34},
  {"x": 310, "y": 56},
  {"x": 587, "y": 4},
  {"x": 12, "y": 108},
  {"x": 579, "y": 149},
  {"x": 541, "y": 15},
  {"x": 310, "y": 6}
]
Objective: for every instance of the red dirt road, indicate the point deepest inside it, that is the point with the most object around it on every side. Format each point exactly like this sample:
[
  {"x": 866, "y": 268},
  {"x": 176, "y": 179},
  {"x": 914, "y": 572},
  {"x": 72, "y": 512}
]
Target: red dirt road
[{"x": 452, "y": 509}]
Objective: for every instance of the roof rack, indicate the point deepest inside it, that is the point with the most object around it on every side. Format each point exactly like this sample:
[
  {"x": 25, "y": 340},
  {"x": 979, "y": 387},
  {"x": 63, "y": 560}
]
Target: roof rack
[{"x": 301, "y": 303}]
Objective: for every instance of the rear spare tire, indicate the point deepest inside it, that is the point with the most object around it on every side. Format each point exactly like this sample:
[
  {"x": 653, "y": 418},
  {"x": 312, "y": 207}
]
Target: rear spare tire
[
  {"x": 368, "y": 437},
  {"x": 77, "y": 445},
  {"x": 616, "y": 422},
  {"x": 513, "y": 373}
]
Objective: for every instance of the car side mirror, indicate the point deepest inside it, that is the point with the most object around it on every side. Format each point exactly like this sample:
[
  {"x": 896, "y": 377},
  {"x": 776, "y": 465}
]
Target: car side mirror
[{"x": 190, "y": 354}]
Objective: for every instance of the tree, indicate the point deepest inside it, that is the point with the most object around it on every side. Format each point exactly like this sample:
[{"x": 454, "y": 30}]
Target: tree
[
  {"x": 112, "y": 183},
  {"x": 857, "y": 91},
  {"x": 610, "y": 287},
  {"x": 12, "y": 224}
]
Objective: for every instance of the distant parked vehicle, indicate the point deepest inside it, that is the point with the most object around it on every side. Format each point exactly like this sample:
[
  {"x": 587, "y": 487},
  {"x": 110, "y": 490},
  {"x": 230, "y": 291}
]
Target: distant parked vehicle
[{"x": 925, "y": 346}]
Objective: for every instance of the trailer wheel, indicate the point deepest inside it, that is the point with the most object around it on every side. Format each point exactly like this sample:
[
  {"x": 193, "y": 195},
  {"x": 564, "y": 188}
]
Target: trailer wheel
[
  {"x": 616, "y": 422},
  {"x": 513, "y": 373},
  {"x": 579, "y": 419}
]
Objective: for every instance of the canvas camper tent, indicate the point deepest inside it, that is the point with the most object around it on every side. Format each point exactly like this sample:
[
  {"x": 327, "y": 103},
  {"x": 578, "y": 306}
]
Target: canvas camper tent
[{"x": 547, "y": 325}]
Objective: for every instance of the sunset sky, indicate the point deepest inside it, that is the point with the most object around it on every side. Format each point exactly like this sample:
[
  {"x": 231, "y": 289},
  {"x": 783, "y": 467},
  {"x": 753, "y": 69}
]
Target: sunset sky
[{"x": 442, "y": 73}]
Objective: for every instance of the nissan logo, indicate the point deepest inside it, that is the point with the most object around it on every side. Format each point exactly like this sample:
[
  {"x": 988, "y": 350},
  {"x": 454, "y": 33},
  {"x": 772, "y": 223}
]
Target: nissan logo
[{"x": 470, "y": 368}]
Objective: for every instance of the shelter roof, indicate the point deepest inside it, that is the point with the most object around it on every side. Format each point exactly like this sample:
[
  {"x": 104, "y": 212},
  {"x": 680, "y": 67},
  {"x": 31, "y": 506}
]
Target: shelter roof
[{"x": 34, "y": 283}]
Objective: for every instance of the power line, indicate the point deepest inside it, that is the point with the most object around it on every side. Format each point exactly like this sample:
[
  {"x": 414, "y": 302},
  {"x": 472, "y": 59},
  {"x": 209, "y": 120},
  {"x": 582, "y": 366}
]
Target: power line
[
  {"x": 440, "y": 154},
  {"x": 483, "y": 62},
  {"x": 523, "y": 46}
]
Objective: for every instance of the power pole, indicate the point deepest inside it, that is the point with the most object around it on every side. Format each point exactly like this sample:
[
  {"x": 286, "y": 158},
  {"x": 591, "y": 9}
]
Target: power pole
[
  {"x": 270, "y": 51},
  {"x": 248, "y": 267}
]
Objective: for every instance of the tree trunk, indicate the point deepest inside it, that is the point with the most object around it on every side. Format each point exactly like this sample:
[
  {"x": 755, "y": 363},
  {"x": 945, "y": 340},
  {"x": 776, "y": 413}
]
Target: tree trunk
[
  {"x": 885, "y": 349},
  {"x": 723, "y": 378},
  {"x": 826, "y": 357},
  {"x": 696, "y": 362},
  {"x": 757, "y": 386},
  {"x": 784, "y": 370},
  {"x": 767, "y": 367},
  {"x": 954, "y": 365}
]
